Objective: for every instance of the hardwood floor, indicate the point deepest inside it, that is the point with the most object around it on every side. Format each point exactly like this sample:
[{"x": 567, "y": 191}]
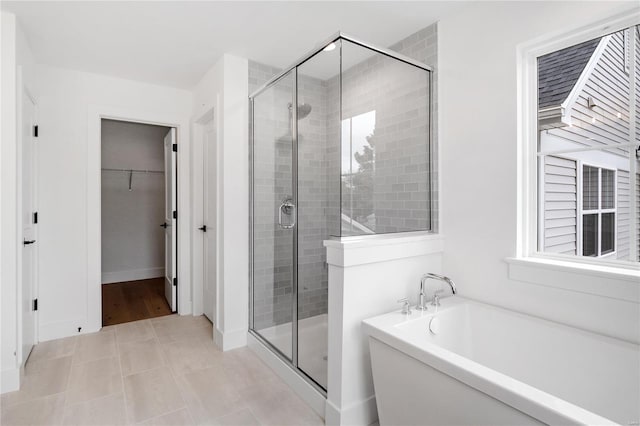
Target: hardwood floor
[{"x": 133, "y": 301}]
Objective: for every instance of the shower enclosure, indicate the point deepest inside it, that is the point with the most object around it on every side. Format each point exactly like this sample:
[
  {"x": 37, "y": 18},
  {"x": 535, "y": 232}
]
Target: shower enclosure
[{"x": 340, "y": 147}]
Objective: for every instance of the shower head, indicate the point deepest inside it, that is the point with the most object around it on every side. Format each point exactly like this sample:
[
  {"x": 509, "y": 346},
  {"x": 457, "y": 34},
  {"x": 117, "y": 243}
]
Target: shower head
[{"x": 303, "y": 110}]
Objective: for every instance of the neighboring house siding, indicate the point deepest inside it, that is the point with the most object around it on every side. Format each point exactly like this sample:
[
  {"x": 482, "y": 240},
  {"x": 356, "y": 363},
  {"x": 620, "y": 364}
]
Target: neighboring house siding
[
  {"x": 560, "y": 206},
  {"x": 609, "y": 86},
  {"x": 624, "y": 215}
]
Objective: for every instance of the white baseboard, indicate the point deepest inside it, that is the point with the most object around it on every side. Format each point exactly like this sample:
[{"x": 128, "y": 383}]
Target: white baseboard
[
  {"x": 132, "y": 275},
  {"x": 59, "y": 330},
  {"x": 301, "y": 387},
  {"x": 226, "y": 341},
  {"x": 361, "y": 413},
  {"x": 10, "y": 380}
]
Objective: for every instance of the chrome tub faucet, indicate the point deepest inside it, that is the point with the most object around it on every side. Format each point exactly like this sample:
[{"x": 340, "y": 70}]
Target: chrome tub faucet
[{"x": 436, "y": 299}]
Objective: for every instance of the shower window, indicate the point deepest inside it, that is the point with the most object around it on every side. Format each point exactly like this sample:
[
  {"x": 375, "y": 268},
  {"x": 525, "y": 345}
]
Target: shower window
[{"x": 358, "y": 174}]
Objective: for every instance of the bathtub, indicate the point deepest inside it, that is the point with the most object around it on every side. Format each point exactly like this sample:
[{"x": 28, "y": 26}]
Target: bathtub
[{"x": 486, "y": 365}]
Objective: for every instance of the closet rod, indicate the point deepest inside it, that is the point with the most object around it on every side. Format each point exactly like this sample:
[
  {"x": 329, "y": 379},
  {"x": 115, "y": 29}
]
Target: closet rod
[{"x": 133, "y": 170}]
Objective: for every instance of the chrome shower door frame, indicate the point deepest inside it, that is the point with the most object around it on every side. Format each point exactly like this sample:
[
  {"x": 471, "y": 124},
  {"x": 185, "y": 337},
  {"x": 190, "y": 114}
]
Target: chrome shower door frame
[{"x": 293, "y": 362}]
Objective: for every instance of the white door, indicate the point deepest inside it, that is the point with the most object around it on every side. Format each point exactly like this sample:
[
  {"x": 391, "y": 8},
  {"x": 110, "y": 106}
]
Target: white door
[
  {"x": 29, "y": 250},
  {"x": 170, "y": 219},
  {"x": 209, "y": 226}
]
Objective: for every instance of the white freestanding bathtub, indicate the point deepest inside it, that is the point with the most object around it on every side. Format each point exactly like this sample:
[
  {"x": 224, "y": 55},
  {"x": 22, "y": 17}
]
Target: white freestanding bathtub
[{"x": 490, "y": 366}]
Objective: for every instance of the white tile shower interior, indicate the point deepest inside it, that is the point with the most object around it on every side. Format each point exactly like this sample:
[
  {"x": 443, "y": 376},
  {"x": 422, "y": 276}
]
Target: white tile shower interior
[{"x": 164, "y": 371}]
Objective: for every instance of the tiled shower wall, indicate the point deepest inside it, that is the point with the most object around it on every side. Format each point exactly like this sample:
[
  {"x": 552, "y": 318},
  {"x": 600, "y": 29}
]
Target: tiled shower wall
[
  {"x": 397, "y": 199},
  {"x": 273, "y": 245},
  {"x": 393, "y": 195}
]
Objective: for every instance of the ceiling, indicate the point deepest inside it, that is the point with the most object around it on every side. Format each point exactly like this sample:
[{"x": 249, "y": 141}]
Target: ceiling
[{"x": 175, "y": 42}]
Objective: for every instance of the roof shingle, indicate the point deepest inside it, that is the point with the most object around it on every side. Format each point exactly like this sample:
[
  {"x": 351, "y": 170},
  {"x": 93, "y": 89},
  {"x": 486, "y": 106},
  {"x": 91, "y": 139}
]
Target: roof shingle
[{"x": 559, "y": 71}]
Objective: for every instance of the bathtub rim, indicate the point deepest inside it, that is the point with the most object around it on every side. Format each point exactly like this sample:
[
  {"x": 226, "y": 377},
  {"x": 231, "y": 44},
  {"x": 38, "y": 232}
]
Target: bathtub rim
[{"x": 519, "y": 395}]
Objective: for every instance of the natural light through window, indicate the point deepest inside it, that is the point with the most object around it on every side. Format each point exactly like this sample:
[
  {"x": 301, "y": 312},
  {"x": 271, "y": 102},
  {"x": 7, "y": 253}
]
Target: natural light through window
[
  {"x": 358, "y": 173},
  {"x": 589, "y": 149}
]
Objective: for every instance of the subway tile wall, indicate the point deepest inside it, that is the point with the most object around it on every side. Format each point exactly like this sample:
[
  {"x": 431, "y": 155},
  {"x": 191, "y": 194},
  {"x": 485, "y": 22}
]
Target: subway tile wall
[{"x": 399, "y": 96}]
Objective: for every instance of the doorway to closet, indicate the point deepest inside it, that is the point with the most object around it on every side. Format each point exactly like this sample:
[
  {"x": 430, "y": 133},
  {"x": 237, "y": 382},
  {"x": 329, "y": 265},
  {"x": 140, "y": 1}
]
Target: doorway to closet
[{"x": 138, "y": 221}]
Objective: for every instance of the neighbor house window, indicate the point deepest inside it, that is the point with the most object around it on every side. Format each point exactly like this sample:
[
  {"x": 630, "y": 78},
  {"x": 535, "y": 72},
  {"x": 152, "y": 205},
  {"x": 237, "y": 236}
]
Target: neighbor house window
[
  {"x": 598, "y": 211},
  {"x": 588, "y": 173}
]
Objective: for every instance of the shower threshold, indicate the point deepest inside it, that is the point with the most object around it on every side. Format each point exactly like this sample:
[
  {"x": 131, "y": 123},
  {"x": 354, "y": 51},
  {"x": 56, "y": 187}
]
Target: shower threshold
[{"x": 312, "y": 345}]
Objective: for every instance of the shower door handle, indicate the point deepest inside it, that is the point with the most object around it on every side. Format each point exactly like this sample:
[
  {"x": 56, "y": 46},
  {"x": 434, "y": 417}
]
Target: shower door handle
[{"x": 288, "y": 208}]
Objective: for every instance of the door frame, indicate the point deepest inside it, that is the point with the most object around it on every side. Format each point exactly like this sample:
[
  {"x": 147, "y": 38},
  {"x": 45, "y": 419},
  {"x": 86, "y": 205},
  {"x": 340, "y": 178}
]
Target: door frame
[
  {"x": 198, "y": 168},
  {"x": 94, "y": 205},
  {"x": 23, "y": 91}
]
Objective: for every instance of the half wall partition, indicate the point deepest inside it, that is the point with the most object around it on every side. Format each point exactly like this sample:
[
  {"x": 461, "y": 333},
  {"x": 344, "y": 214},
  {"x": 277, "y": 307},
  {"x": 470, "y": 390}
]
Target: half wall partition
[{"x": 340, "y": 147}]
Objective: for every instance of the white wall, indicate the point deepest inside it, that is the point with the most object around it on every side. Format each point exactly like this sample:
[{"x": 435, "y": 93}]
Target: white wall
[
  {"x": 132, "y": 240},
  {"x": 69, "y": 188},
  {"x": 367, "y": 278},
  {"x": 16, "y": 66},
  {"x": 224, "y": 89},
  {"x": 478, "y": 106},
  {"x": 8, "y": 212}
]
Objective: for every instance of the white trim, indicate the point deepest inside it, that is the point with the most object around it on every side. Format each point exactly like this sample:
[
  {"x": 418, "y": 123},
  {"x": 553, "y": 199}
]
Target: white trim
[
  {"x": 633, "y": 161},
  {"x": 94, "y": 270},
  {"x": 348, "y": 252},
  {"x": 599, "y": 280},
  {"x": 363, "y": 412},
  {"x": 229, "y": 340},
  {"x": 542, "y": 229},
  {"x": 300, "y": 386},
  {"x": 528, "y": 134},
  {"x": 132, "y": 275},
  {"x": 61, "y": 329}
]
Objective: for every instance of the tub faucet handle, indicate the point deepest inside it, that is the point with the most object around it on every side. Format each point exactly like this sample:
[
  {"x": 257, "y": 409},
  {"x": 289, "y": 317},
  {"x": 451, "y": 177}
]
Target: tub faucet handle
[
  {"x": 406, "y": 306},
  {"x": 436, "y": 297}
]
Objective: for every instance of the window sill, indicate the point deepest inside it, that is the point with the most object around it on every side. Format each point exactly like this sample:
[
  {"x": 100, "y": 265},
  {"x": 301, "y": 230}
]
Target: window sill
[{"x": 599, "y": 280}]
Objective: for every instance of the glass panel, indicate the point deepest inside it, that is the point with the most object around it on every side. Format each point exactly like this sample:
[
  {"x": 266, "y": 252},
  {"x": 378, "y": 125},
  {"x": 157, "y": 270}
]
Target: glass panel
[
  {"x": 318, "y": 208},
  {"x": 589, "y": 188},
  {"x": 587, "y": 132},
  {"x": 608, "y": 233},
  {"x": 385, "y": 144},
  {"x": 590, "y": 235},
  {"x": 608, "y": 193},
  {"x": 272, "y": 215}
]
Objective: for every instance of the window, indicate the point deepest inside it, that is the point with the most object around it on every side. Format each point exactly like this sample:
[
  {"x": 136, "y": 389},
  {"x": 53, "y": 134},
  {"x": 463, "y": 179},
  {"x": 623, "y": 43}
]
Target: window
[
  {"x": 598, "y": 211},
  {"x": 588, "y": 173}
]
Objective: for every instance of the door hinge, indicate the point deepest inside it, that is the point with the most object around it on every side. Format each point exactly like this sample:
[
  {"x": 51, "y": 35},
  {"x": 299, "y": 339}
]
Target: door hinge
[
  {"x": 174, "y": 147},
  {"x": 175, "y": 214},
  {"x": 35, "y": 217},
  {"x": 35, "y": 304},
  {"x": 35, "y": 131},
  {"x": 175, "y": 282}
]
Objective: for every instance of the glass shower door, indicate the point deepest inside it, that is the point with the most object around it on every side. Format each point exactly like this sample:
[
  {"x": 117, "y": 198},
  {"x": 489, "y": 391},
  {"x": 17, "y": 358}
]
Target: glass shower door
[{"x": 274, "y": 215}]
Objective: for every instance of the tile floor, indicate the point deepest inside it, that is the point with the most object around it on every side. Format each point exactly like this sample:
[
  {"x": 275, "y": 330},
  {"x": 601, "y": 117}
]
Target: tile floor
[{"x": 161, "y": 371}]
